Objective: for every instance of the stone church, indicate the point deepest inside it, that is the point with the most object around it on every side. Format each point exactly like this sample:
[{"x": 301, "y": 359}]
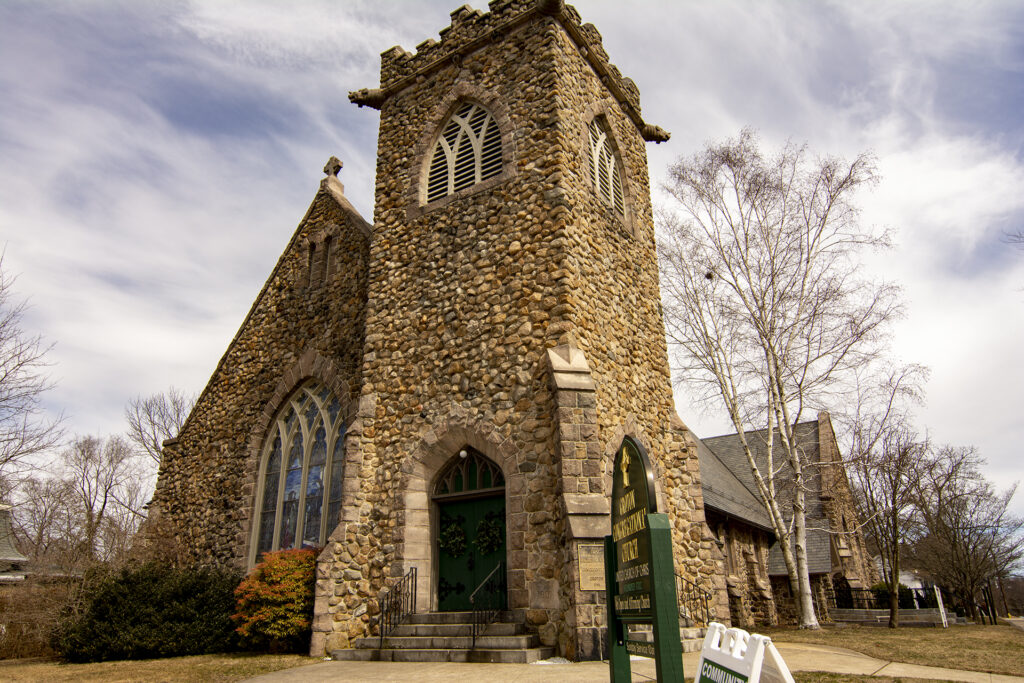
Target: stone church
[{"x": 443, "y": 388}]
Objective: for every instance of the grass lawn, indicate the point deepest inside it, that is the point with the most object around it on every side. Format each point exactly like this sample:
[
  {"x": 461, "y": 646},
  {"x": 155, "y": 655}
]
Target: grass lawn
[
  {"x": 200, "y": 668},
  {"x": 994, "y": 649},
  {"x": 819, "y": 677}
]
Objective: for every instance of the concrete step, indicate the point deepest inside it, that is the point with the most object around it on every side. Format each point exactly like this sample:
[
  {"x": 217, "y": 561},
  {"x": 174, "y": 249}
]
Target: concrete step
[
  {"x": 431, "y": 642},
  {"x": 493, "y": 656},
  {"x": 450, "y": 618},
  {"x": 496, "y": 629},
  {"x": 447, "y": 637}
]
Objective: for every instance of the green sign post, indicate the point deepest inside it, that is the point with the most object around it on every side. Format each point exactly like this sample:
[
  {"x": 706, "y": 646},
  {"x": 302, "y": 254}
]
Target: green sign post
[{"x": 640, "y": 580}]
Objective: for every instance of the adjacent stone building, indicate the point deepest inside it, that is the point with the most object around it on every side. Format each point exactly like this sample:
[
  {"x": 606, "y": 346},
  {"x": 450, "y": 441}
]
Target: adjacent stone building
[
  {"x": 756, "y": 578},
  {"x": 443, "y": 388}
]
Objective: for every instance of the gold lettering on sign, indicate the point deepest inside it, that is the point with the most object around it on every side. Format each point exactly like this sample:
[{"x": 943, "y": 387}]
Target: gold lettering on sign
[
  {"x": 628, "y": 551},
  {"x": 628, "y": 526},
  {"x": 624, "y": 466},
  {"x": 627, "y": 502}
]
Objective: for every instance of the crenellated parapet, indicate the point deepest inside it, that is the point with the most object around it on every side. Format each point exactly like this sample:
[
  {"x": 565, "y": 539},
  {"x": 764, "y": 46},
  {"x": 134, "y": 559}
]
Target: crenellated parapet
[{"x": 472, "y": 30}]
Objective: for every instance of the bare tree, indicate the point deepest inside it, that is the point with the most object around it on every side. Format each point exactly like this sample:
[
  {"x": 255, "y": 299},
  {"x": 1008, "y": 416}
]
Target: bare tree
[
  {"x": 763, "y": 304},
  {"x": 46, "y": 522},
  {"x": 24, "y": 427},
  {"x": 103, "y": 476},
  {"x": 884, "y": 461},
  {"x": 970, "y": 535},
  {"x": 154, "y": 419}
]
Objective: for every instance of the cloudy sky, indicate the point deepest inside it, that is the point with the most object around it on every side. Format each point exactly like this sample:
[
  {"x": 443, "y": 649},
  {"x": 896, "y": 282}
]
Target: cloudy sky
[{"x": 155, "y": 158}]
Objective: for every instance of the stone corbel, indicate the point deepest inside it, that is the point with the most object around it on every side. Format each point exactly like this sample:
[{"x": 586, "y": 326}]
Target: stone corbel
[{"x": 589, "y": 515}]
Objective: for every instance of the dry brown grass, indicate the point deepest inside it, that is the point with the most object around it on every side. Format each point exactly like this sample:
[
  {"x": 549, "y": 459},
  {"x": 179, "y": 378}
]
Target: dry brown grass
[
  {"x": 993, "y": 649},
  {"x": 177, "y": 669},
  {"x": 819, "y": 677}
]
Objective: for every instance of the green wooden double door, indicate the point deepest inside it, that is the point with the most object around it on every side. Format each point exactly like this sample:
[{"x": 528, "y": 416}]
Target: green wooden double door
[{"x": 470, "y": 544}]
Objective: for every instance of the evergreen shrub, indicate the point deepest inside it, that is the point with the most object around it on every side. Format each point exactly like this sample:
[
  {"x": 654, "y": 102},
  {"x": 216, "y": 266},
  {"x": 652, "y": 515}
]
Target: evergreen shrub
[
  {"x": 275, "y": 602},
  {"x": 148, "y": 611},
  {"x": 881, "y": 592}
]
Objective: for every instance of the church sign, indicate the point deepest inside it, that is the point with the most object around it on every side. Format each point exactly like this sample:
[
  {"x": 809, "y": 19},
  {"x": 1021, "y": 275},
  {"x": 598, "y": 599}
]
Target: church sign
[
  {"x": 632, "y": 500},
  {"x": 639, "y": 573}
]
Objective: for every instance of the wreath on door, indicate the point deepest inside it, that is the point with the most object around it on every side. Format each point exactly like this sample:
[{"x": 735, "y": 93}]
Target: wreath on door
[
  {"x": 490, "y": 533},
  {"x": 452, "y": 539}
]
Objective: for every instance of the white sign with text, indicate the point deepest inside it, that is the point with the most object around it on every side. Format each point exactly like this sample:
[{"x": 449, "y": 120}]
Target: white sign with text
[{"x": 731, "y": 655}]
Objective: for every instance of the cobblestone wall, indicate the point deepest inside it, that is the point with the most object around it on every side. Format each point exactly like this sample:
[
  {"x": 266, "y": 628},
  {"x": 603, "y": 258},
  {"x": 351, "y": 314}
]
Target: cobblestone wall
[{"x": 296, "y": 328}]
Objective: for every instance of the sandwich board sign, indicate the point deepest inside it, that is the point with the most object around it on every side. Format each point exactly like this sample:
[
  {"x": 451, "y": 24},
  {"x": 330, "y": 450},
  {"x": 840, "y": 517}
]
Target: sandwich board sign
[
  {"x": 942, "y": 608},
  {"x": 731, "y": 655},
  {"x": 640, "y": 579}
]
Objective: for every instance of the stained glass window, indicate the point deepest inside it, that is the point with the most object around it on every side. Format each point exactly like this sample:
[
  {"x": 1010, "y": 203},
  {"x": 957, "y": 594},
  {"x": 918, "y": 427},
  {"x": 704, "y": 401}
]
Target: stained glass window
[{"x": 298, "y": 480}]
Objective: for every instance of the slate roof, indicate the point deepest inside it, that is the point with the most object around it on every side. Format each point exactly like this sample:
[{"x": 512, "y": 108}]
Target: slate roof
[
  {"x": 729, "y": 450},
  {"x": 819, "y": 551},
  {"x": 722, "y": 493}
]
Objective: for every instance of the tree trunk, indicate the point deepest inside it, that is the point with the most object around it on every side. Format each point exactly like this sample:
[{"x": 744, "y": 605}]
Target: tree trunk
[
  {"x": 894, "y": 588},
  {"x": 808, "y": 619}
]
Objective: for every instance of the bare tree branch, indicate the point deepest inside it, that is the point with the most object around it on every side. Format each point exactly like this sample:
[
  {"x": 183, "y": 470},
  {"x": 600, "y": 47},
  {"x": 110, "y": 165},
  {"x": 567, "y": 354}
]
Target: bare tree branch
[
  {"x": 24, "y": 427},
  {"x": 154, "y": 419}
]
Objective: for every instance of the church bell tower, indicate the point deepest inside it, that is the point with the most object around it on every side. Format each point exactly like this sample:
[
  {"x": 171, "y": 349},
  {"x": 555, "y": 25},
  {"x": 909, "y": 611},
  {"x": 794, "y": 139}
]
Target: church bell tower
[{"x": 513, "y": 332}]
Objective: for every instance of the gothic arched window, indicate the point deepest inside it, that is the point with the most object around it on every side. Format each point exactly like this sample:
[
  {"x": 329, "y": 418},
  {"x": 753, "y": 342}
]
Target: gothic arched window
[
  {"x": 300, "y": 472},
  {"x": 604, "y": 168},
  {"x": 467, "y": 151}
]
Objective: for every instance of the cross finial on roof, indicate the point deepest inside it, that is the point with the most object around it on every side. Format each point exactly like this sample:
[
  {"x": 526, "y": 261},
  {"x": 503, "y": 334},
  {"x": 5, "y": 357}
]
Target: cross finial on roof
[{"x": 333, "y": 166}]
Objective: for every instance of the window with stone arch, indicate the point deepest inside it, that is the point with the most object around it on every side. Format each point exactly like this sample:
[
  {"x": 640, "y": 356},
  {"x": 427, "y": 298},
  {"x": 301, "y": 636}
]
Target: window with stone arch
[
  {"x": 467, "y": 152},
  {"x": 301, "y": 472},
  {"x": 605, "y": 168}
]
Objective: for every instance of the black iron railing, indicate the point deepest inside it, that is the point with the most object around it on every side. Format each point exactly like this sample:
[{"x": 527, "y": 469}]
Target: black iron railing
[
  {"x": 488, "y": 600},
  {"x": 396, "y": 603},
  {"x": 694, "y": 602},
  {"x": 845, "y": 597}
]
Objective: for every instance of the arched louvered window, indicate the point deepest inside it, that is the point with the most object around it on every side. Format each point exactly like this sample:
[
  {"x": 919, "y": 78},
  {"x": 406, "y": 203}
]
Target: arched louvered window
[
  {"x": 604, "y": 169},
  {"x": 300, "y": 472},
  {"x": 467, "y": 152}
]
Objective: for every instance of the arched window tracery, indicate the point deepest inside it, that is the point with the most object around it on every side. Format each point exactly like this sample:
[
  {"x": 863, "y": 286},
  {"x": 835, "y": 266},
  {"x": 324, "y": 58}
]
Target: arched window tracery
[
  {"x": 467, "y": 152},
  {"x": 301, "y": 472}
]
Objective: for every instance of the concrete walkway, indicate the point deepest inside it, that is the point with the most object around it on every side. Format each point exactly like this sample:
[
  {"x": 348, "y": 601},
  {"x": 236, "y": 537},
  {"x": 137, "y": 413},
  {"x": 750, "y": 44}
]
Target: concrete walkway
[{"x": 798, "y": 656}]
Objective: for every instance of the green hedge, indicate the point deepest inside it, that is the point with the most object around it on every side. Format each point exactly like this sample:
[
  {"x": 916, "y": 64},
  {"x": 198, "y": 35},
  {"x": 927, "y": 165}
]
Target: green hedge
[{"x": 148, "y": 611}]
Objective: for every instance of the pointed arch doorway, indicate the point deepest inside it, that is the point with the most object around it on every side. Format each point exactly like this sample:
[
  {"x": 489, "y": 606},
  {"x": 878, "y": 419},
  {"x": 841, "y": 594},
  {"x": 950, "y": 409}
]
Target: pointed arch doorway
[{"x": 469, "y": 495}]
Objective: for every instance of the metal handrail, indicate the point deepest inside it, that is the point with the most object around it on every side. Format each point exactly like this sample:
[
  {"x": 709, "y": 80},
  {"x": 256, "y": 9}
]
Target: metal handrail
[
  {"x": 487, "y": 609},
  {"x": 847, "y": 597},
  {"x": 397, "y": 603},
  {"x": 694, "y": 601}
]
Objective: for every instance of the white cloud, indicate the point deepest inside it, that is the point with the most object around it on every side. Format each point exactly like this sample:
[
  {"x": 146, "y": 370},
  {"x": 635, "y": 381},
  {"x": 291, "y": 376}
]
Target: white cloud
[{"x": 154, "y": 160}]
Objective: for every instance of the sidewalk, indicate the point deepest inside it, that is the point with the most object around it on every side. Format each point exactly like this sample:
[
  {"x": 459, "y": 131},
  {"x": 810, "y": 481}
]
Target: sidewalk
[{"x": 798, "y": 656}]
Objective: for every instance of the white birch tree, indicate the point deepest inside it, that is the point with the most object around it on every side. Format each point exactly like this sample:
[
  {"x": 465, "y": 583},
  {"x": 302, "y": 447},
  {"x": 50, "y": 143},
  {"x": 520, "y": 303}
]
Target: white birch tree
[{"x": 766, "y": 310}]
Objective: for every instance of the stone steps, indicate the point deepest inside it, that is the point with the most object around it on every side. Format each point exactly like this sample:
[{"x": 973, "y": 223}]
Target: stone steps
[
  {"x": 437, "y": 642},
  {"x": 447, "y": 637},
  {"x": 880, "y": 617},
  {"x": 496, "y": 629},
  {"x": 494, "y": 656}
]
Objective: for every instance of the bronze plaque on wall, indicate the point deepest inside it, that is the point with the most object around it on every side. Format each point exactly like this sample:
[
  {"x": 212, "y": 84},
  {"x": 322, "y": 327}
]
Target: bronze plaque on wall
[{"x": 590, "y": 560}]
